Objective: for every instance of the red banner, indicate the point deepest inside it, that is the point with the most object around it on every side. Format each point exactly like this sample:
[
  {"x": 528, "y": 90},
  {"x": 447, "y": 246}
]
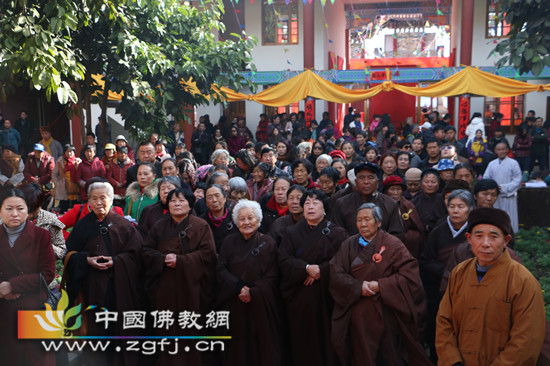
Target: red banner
[
  {"x": 463, "y": 116},
  {"x": 310, "y": 111}
]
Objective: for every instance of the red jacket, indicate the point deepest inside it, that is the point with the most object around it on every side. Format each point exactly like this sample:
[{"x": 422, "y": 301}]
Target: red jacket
[
  {"x": 71, "y": 217},
  {"x": 87, "y": 170},
  {"x": 43, "y": 171},
  {"x": 117, "y": 175}
]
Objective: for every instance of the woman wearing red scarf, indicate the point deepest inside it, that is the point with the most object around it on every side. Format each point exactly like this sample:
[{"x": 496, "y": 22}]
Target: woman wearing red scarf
[
  {"x": 218, "y": 216},
  {"x": 66, "y": 191},
  {"x": 275, "y": 205},
  {"x": 341, "y": 166}
]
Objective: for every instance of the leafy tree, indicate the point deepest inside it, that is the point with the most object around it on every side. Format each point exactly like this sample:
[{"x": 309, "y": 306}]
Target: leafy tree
[
  {"x": 145, "y": 50},
  {"x": 528, "y": 43}
]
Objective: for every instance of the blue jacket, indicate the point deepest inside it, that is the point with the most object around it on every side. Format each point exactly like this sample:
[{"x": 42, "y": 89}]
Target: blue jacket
[{"x": 10, "y": 137}]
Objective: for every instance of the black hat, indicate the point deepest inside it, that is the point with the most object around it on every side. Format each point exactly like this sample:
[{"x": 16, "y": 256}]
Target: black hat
[
  {"x": 366, "y": 166},
  {"x": 10, "y": 148},
  {"x": 490, "y": 216}
]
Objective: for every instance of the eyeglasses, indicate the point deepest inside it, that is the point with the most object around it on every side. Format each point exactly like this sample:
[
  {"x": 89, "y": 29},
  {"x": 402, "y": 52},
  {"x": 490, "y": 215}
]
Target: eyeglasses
[
  {"x": 317, "y": 148},
  {"x": 449, "y": 147},
  {"x": 407, "y": 147}
]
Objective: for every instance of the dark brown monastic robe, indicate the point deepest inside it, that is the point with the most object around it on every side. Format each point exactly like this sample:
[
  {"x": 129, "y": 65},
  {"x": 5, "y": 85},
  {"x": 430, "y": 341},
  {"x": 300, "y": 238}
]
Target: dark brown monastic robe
[
  {"x": 255, "y": 327},
  {"x": 309, "y": 308},
  {"x": 280, "y": 226},
  {"x": 32, "y": 254},
  {"x": 381, "y": 329},
  {"x": 115, "y": 288},
  {"x": 149, "y": 216},
  {"x": 337, "y": 195},
  {"x": 189, "y": 286},
  {"x": 414, "y": 230},
  {"x": 227, "y": 228},
  {"x": 344, "y": 213},
  {"x": 437, "y": 250},
  {"x": 431, "y": 209}
]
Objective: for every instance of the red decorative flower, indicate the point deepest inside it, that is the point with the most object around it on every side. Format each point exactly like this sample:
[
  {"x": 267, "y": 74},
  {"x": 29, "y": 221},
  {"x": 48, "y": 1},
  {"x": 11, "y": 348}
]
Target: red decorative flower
[{"x": 377, "y": 257}]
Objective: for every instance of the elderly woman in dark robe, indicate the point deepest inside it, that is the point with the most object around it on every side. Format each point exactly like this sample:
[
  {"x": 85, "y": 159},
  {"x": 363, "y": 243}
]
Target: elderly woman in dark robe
[
  {"x": 439, "y": 247},
  {"x": 393, "y": 187},
  {"x": 429, "y": 202},
  {"x": 179, "y": 256},
  {"x": 295, "y": 213},
  {"x": 304, "y": 257},
  {"x": 218, "y": 215},
  {"x": 378, "y": 295},
  {"x": 102, "y": 264},
  {"x": 248, "y": 287},
  {"x": 152, "y": 213},
  {"x": 274, "y": 205},
  {"x": 25, "y": 253}
]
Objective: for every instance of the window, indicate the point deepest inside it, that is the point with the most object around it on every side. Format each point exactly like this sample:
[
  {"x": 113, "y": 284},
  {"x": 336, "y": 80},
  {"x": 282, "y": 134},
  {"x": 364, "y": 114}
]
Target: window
[
  {"x": 512, "y": 109},
  {"x": 495, "y": 28},
  {"x": 280, "y": 22}
]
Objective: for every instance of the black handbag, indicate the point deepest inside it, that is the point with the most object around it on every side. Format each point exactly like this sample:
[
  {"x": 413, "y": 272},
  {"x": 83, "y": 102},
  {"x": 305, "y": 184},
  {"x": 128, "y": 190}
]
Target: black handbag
[{"x": 52, "y": 297}]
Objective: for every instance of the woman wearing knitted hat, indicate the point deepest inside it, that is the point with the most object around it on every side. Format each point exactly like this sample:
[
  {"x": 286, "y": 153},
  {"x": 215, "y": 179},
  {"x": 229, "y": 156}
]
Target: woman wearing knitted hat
[{"x": 393, "y": 187}]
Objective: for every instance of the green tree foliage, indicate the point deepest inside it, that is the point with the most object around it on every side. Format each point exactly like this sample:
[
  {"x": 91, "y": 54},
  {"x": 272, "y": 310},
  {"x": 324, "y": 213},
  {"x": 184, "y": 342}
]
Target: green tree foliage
[
  {"x": 144, "y": 49},
  {"x": 533, "y": 246},
  {"x": 528, "y": 43}
]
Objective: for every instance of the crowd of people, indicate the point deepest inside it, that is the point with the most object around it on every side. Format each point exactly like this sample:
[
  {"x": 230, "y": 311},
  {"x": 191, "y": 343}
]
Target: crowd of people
[{"x": 326, "y": 246}]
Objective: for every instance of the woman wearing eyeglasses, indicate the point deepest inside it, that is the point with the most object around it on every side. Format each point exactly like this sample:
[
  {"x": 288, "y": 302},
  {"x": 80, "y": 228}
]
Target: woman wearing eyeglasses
[{"x": 179, "y": 257}]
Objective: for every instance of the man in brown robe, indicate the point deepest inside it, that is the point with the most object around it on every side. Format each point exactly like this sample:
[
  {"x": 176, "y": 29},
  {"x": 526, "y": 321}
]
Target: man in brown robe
[
  {"x": 309, "y": 306},
  {"x": 493, "y": 310},
  {"x": 345, "y": 210},
  {"x": 187, "y": 287},
  {"x": 379, "y": 328}
]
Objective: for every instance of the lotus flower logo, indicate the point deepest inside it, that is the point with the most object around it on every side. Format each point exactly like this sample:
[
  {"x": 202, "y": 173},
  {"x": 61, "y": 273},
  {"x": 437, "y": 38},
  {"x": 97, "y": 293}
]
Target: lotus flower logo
[{"x": 58, "y": 320}]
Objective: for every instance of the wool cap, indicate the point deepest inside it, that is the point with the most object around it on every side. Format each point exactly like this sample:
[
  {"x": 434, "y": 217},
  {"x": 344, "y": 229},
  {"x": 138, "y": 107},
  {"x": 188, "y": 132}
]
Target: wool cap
[{"x": 490, "y": 216}]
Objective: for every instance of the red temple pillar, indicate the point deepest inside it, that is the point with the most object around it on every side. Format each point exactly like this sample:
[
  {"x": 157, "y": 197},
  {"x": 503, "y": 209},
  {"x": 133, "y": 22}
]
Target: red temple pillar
[
  {"x": 467, "y": 31},
  {"x": 309, "y": 35}
]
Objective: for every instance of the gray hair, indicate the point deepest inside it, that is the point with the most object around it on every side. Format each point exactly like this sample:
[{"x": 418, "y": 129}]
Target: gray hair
[
  {"x": 376, "y": 211},
  {"x": 102, "y": 185},
  {"x": 303, "y": 146},
  {"x": 326, "y": 157},
  {"x": 253, "y": 205},
  {"x": 237, "y": 184},
  {"x": 217, "y": 153},
  {"x": 212, "y": 178},
  {"x": 172, "y": 179},
  {"x": 464, "y": 195}
]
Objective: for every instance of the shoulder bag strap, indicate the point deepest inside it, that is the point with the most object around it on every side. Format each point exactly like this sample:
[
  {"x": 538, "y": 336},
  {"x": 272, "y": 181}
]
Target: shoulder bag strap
[{"x": 63, "y": 276}]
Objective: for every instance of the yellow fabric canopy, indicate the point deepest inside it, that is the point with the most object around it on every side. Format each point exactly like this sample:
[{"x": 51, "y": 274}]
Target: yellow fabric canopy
[
  {"x": 474, "y": 81},
  {"x": 470, "y": 80}
]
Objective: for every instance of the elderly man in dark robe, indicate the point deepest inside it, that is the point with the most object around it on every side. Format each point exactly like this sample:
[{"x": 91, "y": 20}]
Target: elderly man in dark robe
[
  {"x": 179, "y": 256},
  {"x": 304, "y": 257},
  {"x": 248, "y": 279},
  {"x": 379, "y": 300},
  {"x": 102, "y": 264},
  {"x": 493, "y": 310},
  {"x": 345, "y": 210}
]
